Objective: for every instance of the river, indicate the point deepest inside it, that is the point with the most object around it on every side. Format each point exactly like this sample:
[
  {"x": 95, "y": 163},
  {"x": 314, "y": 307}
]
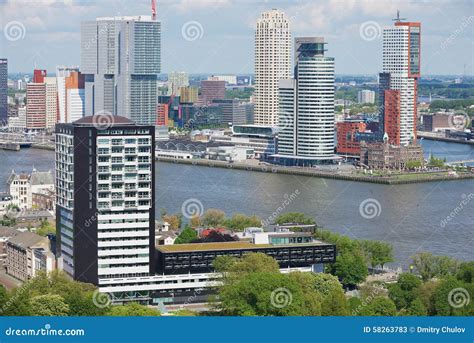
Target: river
[{"x": 434, "y": 216}]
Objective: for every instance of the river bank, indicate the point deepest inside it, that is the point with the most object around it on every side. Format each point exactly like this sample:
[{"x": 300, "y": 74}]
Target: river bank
[{"x": 402, "y": 178}]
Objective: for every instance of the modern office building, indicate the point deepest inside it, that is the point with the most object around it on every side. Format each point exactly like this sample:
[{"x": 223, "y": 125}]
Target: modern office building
[
  {"x": 233, "y": 111},
  {"x": 176, "y": 80},
  {"x": 105, "y": 205},
  {"x": 120, "y": 60},
  {"x": 366, "y": 96},
  {"x": 71, "y": 94},
  {"x": 306, "y": 106},
  {"x": 347, "y": 136},
  {"x": 3, "y": 91},
  {"x": 272, "y": 63},
  {"x": 36, "y": 101},
  {"x": 399, "y": 81},
  {"x": 212, "y": 90}
]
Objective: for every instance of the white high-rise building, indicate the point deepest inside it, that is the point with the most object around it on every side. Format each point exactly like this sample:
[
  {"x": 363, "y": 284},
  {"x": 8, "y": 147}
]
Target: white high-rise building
[
  {"x": 272, "y": 64},
  {"x": 306, "y": 106},
  {"x": 366, "y": 96},
  {"x": 51, "y": 102},
  {"x": 61, "y": 74},
  {"x": 176, "y": 80},
  {"x": 401, "y": 70}
]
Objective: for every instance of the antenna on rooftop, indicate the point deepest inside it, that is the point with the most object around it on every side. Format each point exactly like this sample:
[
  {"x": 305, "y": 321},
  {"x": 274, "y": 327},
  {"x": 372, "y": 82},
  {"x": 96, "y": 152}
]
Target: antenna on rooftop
[
  {"x": 153, "y": 9},
  {"x": 398, "y": 19}
]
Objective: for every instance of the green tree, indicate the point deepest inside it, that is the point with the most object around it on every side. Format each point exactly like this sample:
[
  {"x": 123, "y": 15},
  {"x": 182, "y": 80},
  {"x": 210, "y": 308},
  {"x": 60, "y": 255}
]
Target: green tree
[
  {"x": 186, "y": 236},
  {"x": 173, "y": 220},
  {"x": 294, "y": 217},
  {"x": 378, "y": 253},
  {"x": 240, "y": 221},
  {"x": 430, "y": 266},
  {"x": 46, "y": 228},
  {"x": 213, "y": 218},
  {"x": 324, "y": 283},
  {"x": 223, "y": 263},
  {"x": 355, "y": 305},
  {"x": 49, "y": 305},
  {"x": 379, "y": 306},
  {"x": 413, "y": 164},
  {"x": 255, "y": 262},
  {"x": 450, "y": 295},
  {"x": 335, "y": 304},
  {"x": 350, "y": 268},
  {"x": 405, "y": 290},
  {"x": 133, "y": 309},
  {"x": 195, "y": 221},
  {"x": 466, "y": 272},
  {"x": 417, "y": 308}
]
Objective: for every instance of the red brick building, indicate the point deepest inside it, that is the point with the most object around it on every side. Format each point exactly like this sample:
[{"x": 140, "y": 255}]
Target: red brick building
[{"x": 346, "y": 137}]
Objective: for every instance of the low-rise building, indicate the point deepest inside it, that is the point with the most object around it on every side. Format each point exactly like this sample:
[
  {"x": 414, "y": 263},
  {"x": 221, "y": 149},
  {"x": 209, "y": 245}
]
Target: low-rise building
[
  {"x": 347, "y": 140},
  {"x": 44, "y": 201},
  {"x": 23, "y": 185},
  {"x": 5, "y": 234},
  {"x": 229, "y": 153},
  {"x": 27, "y": 254},
  {"x": 387, "y": 156}
]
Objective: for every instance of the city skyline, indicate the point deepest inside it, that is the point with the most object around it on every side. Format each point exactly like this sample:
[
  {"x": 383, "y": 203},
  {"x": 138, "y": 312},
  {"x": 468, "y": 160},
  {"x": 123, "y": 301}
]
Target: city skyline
[{"x": 224, "y": 44}]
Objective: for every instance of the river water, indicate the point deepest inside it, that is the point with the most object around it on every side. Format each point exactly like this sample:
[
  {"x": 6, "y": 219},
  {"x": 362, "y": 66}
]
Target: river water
[{"x": 434, "y": 216}]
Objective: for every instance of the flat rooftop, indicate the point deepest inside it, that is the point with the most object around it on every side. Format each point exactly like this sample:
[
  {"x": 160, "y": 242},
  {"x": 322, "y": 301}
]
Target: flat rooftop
[{"x": 229, "y": 246}]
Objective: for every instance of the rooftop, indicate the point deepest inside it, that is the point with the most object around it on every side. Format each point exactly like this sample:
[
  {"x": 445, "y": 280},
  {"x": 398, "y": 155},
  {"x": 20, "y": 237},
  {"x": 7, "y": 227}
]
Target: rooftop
[
  {"x": 27, "y": 239},
  {"x": 6, "y": 231},
  {"x": 103, "y": 121},
  {"x": 227, "y": 246},
  {"x": 41, "y": 178}
]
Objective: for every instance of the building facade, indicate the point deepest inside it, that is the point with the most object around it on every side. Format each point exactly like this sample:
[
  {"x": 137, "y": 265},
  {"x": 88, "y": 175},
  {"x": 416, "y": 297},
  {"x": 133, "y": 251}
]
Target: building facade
[
  {"x": 62, "y": 73},
  {"x": 121, "y": 60},
  {"x": 51, "y": 116},
  {"x": 388, "y": 156},
  {"x": 401, "y": 71},
  {"x": 105, "y": 199},
  {"x": 3, "y": 91},
  {"x": 176, "y": 80},
  {"x": 212, "y": 90},
  {"x": 307, "y": 122},
  {"x": 233, "y": 112},
  {"x": 347, "y": 140},
  {"x": 366, "y": 96},
  {"x": 36, "y": 102},
  {"x": 272, "y": 63}
]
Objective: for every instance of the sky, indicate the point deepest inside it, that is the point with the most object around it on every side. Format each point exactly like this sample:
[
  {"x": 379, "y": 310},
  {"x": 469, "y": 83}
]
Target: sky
[{"x": 217, "y": 36}]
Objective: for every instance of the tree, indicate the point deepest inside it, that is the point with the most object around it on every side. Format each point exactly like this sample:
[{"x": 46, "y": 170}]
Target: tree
[
  {"x": 195, "y": 221},
  {"x": 451, "y": 298},
  {"x": 417, "y": 308},
  {"x": 378, "y": 253},
  {"x": 240, "y": 221},
  {"x": 355, "y": 305},
  {"x": 213, "y": 217},
  {"x": 413, "y": 164},
  {"x": 324, "y": 283},
  {"x": 379, "y": 306},
  {"x": 430, "y": 266},
  {"x": 186, "y": 236},
  {"x": 335, "y": 304},
  {"x": 294, "y": 217},
  {"x": 350, "y": 268},
  {"x": 46, "y": 228},
  {"x": 223, "y": 263},
  {"x": 49, "y": 305},
  {"x": 405, "y": 290},
  {"x": 466, "y": 272},
  {"x": 173, "y": 220},
  {"x": 426, "y": 294},
  {"x": 133, "y": 309},
  {"x": 255, "y": 262}
]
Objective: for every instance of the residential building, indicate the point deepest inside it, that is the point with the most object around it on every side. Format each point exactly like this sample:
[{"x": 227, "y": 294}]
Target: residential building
[
  {"x": 212, "y": 90},
  {"x": 347, "y": 140},
  {"x": 45, "y": 200},
  {"x": 74, "y": 97},
  {"x": 105, "y": 206},
  {"x": 3, "y": 91},
  {"x": 399, "y": 80},
  {"x": 306, "y": 106},
  {"x": 121, "y": 60},
  {"x": 366, "y": 96},
  {"x": 177, "y": 80},
  {"x": 162, "y": 114},
  {"x": 27, "y": 254},
  {"x": 23, "y": 186},
  {"x": 272, "y": 64},
  {"x": 51, "y": 116},
  {"x": 36, "y": 102},
  {"x": 5, "y": 234},
  {"x": 233, "y": 111},
  {"x": 188, "y": 94},
  {"x": 18, "y": 123}
]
